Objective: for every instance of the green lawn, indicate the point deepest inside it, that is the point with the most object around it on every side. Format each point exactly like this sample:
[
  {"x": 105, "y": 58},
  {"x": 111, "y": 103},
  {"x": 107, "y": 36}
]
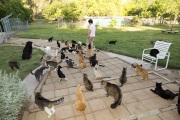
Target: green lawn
[
  {"x": 131, "y": 40},
  {"x": 14, "y": 53}
]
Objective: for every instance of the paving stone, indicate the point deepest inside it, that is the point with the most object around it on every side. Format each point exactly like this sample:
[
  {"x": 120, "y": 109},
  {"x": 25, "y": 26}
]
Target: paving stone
[
  {"x": 120, "y": 112},
  {"x": 72, "y": 118},
  {"x": 129, "y": 98},
  {"x": 100, "y": 92},
  {"x": 90, "y": 95},
  {"x": 140, "y": 94},
  {"x": 162, "y": 102},
  {"x": 25, "y": 115},
  {"x": 88, "y": 116},
  {"x": 41, "y": 115},
  {"x": 48, "y": 81},
  {"x": 127, "y": 87},
  {"x": 72, "y": 83},
  {"x": 96, "y": 85},
  {"x": 62, "y": 92},
  {"x": 159, "y": 80},
  {"x": 153, "y": 76},
  {"x": 138, "y": 85},
  {"x": 131, "y": 80},
  {"x": 149, "y": 92},
  {"x": 150, "y": 104},
  {"x": 97, "y": 104},
  {"x": 169, "y": 115},
  {"x": 173, "y": 86},
  {"x": 32, "y": 116},
  {"x": 73, "y": 97},
  {"x": 63, "y": 112},
  {"x": 48, "y": 94},
  {"x": 108, "y": 100},
  {"x": 137, "y": 107},
  {"x": 151, "y": 118},
  {"x": 72, "y": 90},
  {"x": 60, "y": 85},
  {"x": 103, "y": 115},
  {"x": 48, "y": 87}
]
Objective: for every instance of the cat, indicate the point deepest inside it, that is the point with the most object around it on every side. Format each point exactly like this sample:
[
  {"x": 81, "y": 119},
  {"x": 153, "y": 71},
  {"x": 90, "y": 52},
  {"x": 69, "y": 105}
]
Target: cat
[
  {"x": 47, "y": 49},
  {"x": 58, "y": 44},
  {"x": 166, "y": 94},
  {"x": 13, "y": 64},
  {"x": 81, "y": 64},
  {"x": 62, "y": 40},
  {"x": 93, "y": 61},
  {"x": 154, "y": 52},
  {"x": 64, "y": 49},
  {"x": 27, "y": 51},
  {"x": 46, "y": 104},
  {"x": 97, "y": 73},
  {"x": 114, "y": 91},
  {"x": 52, "y": 64},
  {"x": 178, "y": 104},
  {"x": 89, "y": 50},
  {"x": 112, "y": 42},
  {"x": 70, "y": 63},
  {"x": 50, "y": 39},
  {"x": 88, "y": 84},
  {"x": 71, "y": 51},
  {"x": 67, "y": 44},
  {"x": 142, "y": 71},
  {"x": 60, "y": 73},
  {"x": 39, "y": 73},
  {"x": 80, "y": 103},
  {"x": 123, "y": 77},
  {"x": 73, "y": 41}
]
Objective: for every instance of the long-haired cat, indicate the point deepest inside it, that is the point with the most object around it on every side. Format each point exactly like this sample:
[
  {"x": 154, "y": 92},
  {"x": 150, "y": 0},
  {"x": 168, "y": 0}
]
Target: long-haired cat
[
  {"x": 13, "y": 64},
  {"x": 46, "y": 104},
  {"x": 39, "y": 73},
  {"x": 123, "y": 77},
  {"x": 166, "y": 94},
  {"x": 97, "y": 73},
  {"x": 88, "y": 84},
  {"x": 142, "y": 71},
  {"x": 114, "y": 91},
  {"x": 61, "y": 74},
  {"x": 80, "y": 103}
]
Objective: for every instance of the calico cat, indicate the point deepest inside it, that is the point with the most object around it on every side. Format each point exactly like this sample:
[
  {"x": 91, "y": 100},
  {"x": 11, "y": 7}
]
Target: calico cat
[
  {"x": 178, "y": 104},
  {"x": 61, "y": 74},
  {"x": 70, "y": 63},
  {"x": 58, "y": 44},
  {"x": 88, "y": 84},
  {"x": 50, "y": 39},
  {"x": 114, "y": 91},
  {"x": 97, "y": 73},
  {"x": 166, "y": 94},
  {"x": 142, "y": 71},
  {"x": 46, "y": 104},
  {"x": 13, "y": 64},
  {"x": 112, "y": 42},
  {"x": 154, "y": 52},
  {"x": 80, "y": 103},
  {"x": 123, "y": 77},
  {"x": 52, "y": 64},
  {"x": 39, "y": 73}
]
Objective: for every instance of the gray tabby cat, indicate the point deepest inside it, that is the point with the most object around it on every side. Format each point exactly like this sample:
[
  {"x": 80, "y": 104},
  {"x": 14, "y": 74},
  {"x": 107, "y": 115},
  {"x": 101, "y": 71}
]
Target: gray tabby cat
[
  {"x": 46, "y": 104},
  {"x": 123, "y": 77},
  {"x": 114, "y": 91},
  {"x": 88, "y": 84}
]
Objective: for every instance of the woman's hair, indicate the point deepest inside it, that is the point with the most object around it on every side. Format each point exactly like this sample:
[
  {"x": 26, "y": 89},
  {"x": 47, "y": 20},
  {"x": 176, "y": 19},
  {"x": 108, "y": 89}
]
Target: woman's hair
[{"x": 90, "y": 21}]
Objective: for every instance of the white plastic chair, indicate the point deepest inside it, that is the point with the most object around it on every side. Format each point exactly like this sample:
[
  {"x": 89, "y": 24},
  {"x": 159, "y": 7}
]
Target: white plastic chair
[{"x": 163, "y": 48}]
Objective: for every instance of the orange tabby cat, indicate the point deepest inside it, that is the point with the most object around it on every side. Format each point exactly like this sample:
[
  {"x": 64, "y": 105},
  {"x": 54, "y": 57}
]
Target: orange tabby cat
[
  {"x": 80, "y": 103},
  {"x": 82, "y": 64},
  {"x": 142, "y": 71}
]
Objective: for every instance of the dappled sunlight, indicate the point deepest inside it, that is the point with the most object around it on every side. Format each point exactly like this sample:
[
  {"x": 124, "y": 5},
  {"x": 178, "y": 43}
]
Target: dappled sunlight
[{"x": 141, "y": 28}]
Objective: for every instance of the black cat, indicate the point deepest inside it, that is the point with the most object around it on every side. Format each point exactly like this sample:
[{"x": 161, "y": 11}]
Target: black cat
[
  {"x": 14, "y": 64},
  {"x": 73, "y": 41},
  {"x": 154, "y": 52},
  {"x": 166, "y": 94},
  {"x": 50, "y": 39},
  {"x": 27, "y": 51},
  {"x": 58, "y": 44},
  {"x": 112, "y": 42}
]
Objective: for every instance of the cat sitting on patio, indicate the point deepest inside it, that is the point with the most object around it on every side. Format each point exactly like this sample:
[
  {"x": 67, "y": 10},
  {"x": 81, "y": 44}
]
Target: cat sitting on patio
[{"x": 46, "y": 104}]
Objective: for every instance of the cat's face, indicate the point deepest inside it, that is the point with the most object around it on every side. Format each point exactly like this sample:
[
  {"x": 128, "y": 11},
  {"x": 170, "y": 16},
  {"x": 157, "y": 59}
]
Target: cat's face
[
  {"x": 85, "y": 75},
  {"x": 103, "y": 83},
  {"x": 158, "y": 84}
]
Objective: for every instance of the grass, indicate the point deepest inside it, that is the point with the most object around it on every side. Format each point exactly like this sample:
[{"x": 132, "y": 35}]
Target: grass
[
  {"x": 131, "y": 40},
  {"x": 14, "y": 53}
]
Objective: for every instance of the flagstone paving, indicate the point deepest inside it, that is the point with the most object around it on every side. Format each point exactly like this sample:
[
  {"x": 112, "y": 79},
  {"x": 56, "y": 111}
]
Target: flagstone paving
[{"x": 138, "y": 101}]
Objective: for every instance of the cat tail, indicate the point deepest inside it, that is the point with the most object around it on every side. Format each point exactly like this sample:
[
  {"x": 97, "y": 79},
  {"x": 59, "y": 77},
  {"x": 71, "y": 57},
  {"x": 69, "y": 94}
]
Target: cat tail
[
  {"x": 117, "y": 102},
  {"x": 102, "y": 65},
  {"x": 57, "y": 102},
  {"x": 176, "y": 94},
  {"x": 84, "y": 114}
]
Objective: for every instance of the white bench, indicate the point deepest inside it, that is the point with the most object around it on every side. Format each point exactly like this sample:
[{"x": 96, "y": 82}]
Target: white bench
[{"x": 163, "y": 48}]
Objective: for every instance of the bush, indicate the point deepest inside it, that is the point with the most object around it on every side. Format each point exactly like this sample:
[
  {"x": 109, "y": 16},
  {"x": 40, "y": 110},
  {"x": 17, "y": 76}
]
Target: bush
[
  {"x": 12, "y": 96},
  {"x": 113, "y": 23},
  {"x": 135, "y": 21}
]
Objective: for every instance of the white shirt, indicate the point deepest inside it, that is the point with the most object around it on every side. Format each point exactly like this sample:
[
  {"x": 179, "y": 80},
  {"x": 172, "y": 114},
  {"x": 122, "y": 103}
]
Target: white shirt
[{"x": 92, "y": 28}]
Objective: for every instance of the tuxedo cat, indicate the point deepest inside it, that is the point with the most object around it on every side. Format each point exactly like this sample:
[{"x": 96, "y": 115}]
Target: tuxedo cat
[
  {"x": 154, "y": 52},
  {"x": 166, "y": 94},
  {"x": 70, "y": 63},
  {"x": 112, "y": 42},
  {"x": 58, "y": 44},
  {"x": 39, "y": 73},
  {"x": 61, "y": 74},
  {"x": 178, "y": 104},
  {"x": 88, "y": 84},
  {"x": 123, "y": 77},
  {"x": 50, "y": 39},
  {"x": 13, "y": 64},
  {"x": 64, "y": 49},
  {"x": 46, "y": 104},
  {"x": 114, "y": 91}
]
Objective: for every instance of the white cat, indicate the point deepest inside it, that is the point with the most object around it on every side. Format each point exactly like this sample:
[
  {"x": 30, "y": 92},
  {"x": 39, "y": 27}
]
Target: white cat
[
  {"x": 47, "y": 49},
  {"x": 97, "y": 73}
]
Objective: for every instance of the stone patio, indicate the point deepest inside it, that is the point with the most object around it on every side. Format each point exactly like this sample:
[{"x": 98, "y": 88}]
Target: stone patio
[{"x": 138, "y": 101}]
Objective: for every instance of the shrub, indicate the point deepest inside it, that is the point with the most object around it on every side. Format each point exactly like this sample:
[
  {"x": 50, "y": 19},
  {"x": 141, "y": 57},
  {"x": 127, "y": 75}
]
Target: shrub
[
  {"x": 12, "y": 96},
  {"x": 113, "y": 23},
  {"x": 135, "y": 21}
]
